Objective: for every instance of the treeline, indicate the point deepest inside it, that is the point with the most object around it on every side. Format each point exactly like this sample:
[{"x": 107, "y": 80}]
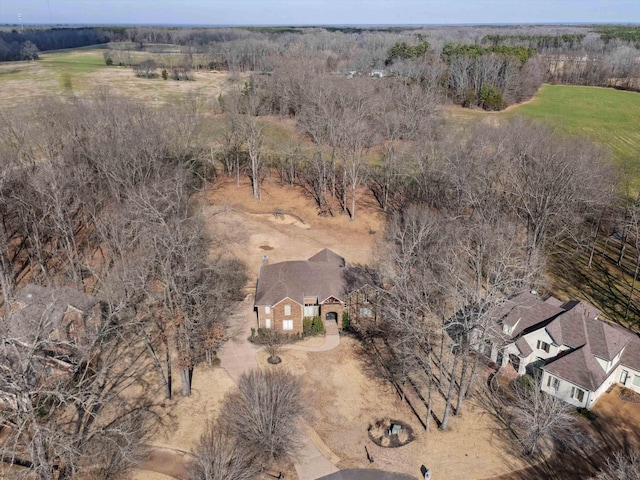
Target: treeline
[
  {"x": 620, "y": 32},
  {"x": 25, "y": 45},
  {"x": 541, "y": 43}
]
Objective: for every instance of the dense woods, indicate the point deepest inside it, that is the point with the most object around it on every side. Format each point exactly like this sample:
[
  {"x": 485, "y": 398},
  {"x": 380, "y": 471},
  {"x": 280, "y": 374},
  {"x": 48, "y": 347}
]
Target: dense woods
[{"x": 101, "y": 202}]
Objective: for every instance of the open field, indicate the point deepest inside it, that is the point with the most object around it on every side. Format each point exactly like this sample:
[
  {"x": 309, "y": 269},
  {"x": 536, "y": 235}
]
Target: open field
[
  {"x": 605, "y": 115},
  {"x": 83, "y": 71}
]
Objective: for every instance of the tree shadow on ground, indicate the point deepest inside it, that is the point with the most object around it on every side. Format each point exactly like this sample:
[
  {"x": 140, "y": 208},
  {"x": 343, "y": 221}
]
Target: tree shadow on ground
[
  {"x": 580, "y": 455},
  {"x": 605, "y": 284}
]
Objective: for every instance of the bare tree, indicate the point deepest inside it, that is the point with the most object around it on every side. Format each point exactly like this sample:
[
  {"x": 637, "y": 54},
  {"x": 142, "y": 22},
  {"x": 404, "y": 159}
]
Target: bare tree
[
  {"x": 551, "y": 183},
  {"x": 622, "y": 466},
  {"x": 67, "y": 405},
  {"x": 244, "y": 107},
  {"x": 538, "y": 416},
  {"x": 273, "y": 341},
  {"x": 217, "y": 456},
  {"x": 262, "y": 415}
]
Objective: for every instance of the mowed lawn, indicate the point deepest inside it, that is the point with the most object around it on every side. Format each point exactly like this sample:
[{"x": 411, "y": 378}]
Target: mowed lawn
[{"x": 605, "y": 115}]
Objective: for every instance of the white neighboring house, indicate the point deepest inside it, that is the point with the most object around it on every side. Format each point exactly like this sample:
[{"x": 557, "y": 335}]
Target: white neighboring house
[{"x": 577, "y": 355}]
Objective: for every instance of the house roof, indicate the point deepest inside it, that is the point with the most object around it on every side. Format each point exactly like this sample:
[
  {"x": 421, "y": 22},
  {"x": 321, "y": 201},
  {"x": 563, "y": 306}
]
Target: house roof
[
  {"x": 631, "y": 356},
  {"x": 41, "y": 310},
  {"x": 524, "y": 347},
  {"x": 526, "y": 310},
  {"x": 575, "y": 325},
  {"x": 320, "y": 276},
  {"x": 578, "y": 366}
]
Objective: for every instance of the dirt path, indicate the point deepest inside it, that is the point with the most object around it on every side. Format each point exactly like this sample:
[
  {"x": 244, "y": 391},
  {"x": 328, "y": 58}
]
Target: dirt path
[{"x": 167, "y": 461}]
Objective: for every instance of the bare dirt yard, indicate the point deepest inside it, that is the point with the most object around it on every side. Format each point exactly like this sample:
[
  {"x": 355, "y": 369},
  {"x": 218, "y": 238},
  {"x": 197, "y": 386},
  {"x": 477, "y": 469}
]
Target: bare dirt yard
[
  {"x": 343, "y": 398},
  {"x": 344, "y": 401}
]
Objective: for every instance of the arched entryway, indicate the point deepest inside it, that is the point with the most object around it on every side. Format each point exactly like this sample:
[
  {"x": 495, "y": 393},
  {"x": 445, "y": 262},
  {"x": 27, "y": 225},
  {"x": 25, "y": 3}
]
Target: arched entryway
[{"x": 331, "y": 317}]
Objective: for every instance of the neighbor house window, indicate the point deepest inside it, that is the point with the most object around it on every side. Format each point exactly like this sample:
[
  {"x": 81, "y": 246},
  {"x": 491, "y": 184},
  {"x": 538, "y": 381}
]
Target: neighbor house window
[
  {"x": 287, "y": 325},
  {"x": 267, "y": 309},
  {"x": 287, "y": 309},
  {"x": 636, "y": 380},
  {"x": 267, "y": 323},
  {"x": 365, "y": 312},
  {"x": 543, "y": 346},
  {"x": 577, "y": 394},
  {"x": 553, "y": 382}
]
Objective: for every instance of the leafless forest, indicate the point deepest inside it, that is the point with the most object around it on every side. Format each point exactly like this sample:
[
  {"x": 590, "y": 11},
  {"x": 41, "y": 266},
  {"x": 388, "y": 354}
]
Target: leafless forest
[{"x": 102, "y": 195}]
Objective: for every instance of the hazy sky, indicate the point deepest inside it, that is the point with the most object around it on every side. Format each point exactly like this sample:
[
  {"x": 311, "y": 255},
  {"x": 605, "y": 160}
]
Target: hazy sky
[{"x": 314, "y": 12}]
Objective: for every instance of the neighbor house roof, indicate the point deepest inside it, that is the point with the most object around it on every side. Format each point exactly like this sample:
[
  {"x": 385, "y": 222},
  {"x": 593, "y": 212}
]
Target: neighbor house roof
[
  {"x": 526, "y": 310},
  {"x": 578, "y": 366},
  {"x": 631, "y": 356},
  {"x": 42, "y": 310},
  {"x": 320, "y": 276},
  {"x": 576, "y": 326}
]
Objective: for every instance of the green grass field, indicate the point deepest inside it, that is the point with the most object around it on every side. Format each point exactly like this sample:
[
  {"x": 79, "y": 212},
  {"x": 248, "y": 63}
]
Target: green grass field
[
  {"x": 74, "y": 62},
  {"x": 605, "y": 115}
]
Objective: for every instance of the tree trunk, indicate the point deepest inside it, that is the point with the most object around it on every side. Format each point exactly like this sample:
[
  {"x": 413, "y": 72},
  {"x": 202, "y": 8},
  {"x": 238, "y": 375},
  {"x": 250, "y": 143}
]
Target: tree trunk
[
  {"x": 168, "y": 387},
  {"x": 185, "y": 377},
  {"x": 447, "y": 407},
  {"x": 463, "y": 374},
  {"x": 429, "y": 401}
]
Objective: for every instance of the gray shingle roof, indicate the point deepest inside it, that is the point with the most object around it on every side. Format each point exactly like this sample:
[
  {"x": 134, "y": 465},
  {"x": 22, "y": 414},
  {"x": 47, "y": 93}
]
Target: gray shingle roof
[
  {"x": 524, "y": 347},
  {"x": 322, "y": 275},
  {"x": 631, "y": 355},
  {"x": 40, "y": 309},
  {"x": 527, "y": 310},
  {"x": 578, "y": 366},
  {"x": 576, "y": 325}
]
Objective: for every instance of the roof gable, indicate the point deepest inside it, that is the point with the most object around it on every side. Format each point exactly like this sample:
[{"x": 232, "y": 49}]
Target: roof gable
[
  {"x": 321, "y": 276},
  {"x": 329, "y": 257}
]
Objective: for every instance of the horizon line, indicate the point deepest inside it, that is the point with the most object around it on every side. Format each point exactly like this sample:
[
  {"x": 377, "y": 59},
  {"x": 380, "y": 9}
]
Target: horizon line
[{"x": 311, "y": 25}]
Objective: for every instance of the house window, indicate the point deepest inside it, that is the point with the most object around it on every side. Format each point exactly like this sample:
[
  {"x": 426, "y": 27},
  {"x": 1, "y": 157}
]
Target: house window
[
  {"x": 267, "y": 323},
  {"x": 623, "y": 377},
  {"x": 287, "y": 309},
  {"x": 636, "y": 380},
  {"x": 310, "y": 311},
  {"x": 267, "y": 309},
  {"x": 577, "y": 394},
  {"x": 553, "y": 382},
  {"x": 543, "y": 346},
  {"x": 365, "y": 312},
  {"x": 287, "y": 325}
]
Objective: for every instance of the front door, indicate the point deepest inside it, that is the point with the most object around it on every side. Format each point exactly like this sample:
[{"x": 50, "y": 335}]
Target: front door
[
  {"x": 623, "y": 377},
  {"x": 331, "y": 317}
]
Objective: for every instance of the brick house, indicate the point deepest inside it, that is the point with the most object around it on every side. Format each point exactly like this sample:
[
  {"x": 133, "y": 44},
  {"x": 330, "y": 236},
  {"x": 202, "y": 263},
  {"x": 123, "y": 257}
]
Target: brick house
[
  {"x": 287, "y": 292},
  {"x": 573, "y": 352}
]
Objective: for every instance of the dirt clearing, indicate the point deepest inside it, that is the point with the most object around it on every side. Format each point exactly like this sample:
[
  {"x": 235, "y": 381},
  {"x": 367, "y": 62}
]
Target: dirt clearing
[{"x": 343, "y": 400}]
